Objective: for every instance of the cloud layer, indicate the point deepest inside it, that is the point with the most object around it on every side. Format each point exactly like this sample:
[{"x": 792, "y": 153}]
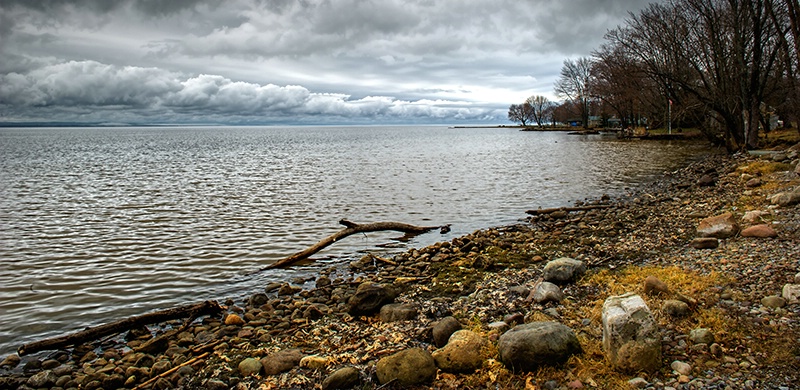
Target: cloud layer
[{"x": 288, "y": 61}]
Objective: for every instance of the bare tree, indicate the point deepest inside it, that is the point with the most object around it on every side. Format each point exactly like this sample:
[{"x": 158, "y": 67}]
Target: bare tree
[
  {"x": 785, "y": 15},
  {"x": 619, "y": 81},
  {"x": 539, "y": 106},
  {"x": 561, "y": 113},
  {"x": 573, "y": 85},
  {"x": 722, "y": 53},
  {"x": 520, "y": 113}
]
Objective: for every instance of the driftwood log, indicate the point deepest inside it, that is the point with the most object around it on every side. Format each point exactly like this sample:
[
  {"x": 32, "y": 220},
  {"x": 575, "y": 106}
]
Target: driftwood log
[
  {"x": 568, "y": 209},
  {"x": 97, "y": 332},
  {"x": 350, "y": 229}
]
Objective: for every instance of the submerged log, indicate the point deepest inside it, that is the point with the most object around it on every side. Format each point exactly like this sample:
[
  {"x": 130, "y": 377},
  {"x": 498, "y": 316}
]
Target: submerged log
[
  {"x": 97, "y": 332},
  {"x": 354, "y": 228},
  {"x": 568, "y": 209}
]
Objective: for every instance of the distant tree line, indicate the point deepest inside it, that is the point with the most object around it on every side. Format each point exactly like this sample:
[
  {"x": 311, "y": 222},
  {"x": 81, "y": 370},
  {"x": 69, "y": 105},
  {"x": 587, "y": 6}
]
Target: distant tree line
[{"x": 724, "y": 66}]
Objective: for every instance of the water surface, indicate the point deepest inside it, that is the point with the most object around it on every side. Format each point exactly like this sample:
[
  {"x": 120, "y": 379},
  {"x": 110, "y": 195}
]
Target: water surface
[{"x": 98, "y": 224}]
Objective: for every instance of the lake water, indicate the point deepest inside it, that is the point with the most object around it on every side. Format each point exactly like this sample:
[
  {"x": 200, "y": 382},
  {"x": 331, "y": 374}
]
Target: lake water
[{"x": 97, "y": 224}]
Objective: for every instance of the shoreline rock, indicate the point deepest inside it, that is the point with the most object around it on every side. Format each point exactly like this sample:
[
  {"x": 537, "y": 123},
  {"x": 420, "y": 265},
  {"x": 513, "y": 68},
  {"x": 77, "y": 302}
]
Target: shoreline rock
[{"x": 631, "y": 338}]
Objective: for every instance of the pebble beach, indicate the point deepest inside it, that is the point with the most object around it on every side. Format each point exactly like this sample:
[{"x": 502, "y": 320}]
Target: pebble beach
[{"x": 711, "y": 250}]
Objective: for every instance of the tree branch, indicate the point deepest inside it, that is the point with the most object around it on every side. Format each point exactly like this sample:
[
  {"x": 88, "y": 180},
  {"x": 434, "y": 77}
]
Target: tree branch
[
  {"x": 567, "y": 209},
  {"x": 94, "y": 333},
  {"x": 350, "y": 229}
]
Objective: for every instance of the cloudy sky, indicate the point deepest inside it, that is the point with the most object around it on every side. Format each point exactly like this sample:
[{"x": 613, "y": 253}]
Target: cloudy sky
[{"x": 289, "y": 61}]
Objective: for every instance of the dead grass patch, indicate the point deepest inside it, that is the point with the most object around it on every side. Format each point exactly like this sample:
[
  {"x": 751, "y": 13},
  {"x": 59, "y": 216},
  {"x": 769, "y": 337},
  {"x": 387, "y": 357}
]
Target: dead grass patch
[
  {"x": 763, "y": 167},
  {"x": 780, "y": 138},
  {"x": 631, "y": 279}
]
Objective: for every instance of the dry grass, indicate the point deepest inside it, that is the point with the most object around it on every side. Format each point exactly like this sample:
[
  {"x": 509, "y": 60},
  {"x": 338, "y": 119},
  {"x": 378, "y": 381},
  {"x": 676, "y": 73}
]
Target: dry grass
[
  {"x": 631, "y": 279},
  {"x": 590, "y": 367},
  {"x": 764, "y": 167},
  {"x": 781, "y": 138},
  {"x": 700, "y": 287}
]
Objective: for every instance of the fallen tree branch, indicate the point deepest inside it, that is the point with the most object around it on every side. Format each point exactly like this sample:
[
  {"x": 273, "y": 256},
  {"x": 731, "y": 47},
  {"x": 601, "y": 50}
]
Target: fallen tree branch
[
  {"x": 568, "y": 209},
  {"x": 350, "y": 229},
  {"x": 161, "y": 342},
  {"x": 381, "y": 259},
  {"x": 94, "y": 333},
  {"x": 169, "y": 372}
]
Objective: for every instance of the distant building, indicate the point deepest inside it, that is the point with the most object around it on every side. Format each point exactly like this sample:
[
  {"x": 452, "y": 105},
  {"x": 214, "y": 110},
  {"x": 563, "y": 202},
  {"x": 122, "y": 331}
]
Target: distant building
[{"x": 594, "y": 121}]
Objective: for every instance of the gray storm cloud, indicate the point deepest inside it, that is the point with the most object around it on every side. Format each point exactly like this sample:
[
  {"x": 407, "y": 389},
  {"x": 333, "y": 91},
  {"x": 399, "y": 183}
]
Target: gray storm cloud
[
  {"x": 87, "y": 83},
  {"x": 78, "y": 84},
  {"x": 286, "y": 60}
]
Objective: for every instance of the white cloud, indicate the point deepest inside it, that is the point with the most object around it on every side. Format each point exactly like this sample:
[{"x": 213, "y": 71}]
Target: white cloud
[
  {"x": 62, "y": 88},
  {"x": 219, "y": 94},
  {"x": 348, "y": 59},
  {"x": 86, "y": 83}
]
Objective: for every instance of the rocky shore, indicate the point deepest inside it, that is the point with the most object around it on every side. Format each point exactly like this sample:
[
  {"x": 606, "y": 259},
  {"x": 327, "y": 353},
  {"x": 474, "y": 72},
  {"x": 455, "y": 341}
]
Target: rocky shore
[{"x": 688, "y": 283}]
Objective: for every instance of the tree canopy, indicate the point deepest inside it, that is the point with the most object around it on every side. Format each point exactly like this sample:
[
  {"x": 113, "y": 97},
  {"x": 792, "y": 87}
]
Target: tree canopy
[
  {"x": 574, "y": 85},
  {"x": 520, "y": 113}
]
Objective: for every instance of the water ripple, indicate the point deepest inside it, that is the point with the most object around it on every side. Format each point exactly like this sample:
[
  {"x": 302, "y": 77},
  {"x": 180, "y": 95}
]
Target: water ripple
[{"x": 99, "y": 224}]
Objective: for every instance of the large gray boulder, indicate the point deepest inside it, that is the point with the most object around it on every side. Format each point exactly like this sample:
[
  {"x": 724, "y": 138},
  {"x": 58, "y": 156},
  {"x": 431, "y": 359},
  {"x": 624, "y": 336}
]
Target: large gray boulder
[
  {"x": 398, "y": 312},
  {"x": 408, "y": 368},
  {"x": 41, "y": 379},
  {"x": 368, "y": 299},
  {"x": 526, "y": 347},
  {"x": 250, "y": 366},
  {"x": 463, "y": 353},
  {"x": 281, "y": 361},
  {"x": 719, "y": 226},
  {"x": 343, "y": 378},
  {"x": 443, "y": 329},
  {"x": 546, "y": 292},
  {"x": 631, "y": 339},
  {"x": 563, "y": 270}
]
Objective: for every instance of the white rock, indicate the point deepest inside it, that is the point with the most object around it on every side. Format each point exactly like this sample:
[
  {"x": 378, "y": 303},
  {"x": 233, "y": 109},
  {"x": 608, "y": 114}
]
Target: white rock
[
  {"x": 681, "y": 367},
  {"x": 791, "y": 292},
  {"x": 631, "y": 339},
  {"x": 701, "y": 336}
]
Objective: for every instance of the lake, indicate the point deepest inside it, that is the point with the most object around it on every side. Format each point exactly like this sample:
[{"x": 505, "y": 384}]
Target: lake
[{"x": 103, "y": 223}]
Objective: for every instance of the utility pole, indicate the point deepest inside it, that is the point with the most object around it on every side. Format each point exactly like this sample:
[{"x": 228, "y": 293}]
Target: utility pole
[{"x": 669, "y": 117}]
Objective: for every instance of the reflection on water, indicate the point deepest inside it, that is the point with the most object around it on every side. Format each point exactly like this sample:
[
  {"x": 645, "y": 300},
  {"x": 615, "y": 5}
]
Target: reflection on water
[{"x": 99, "y": 224}]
